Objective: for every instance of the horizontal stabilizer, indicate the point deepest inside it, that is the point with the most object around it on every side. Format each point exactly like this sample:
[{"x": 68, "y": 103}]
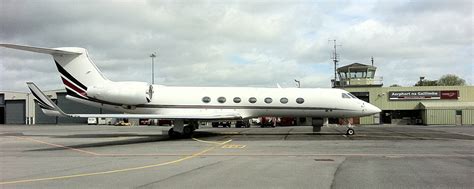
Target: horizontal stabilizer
[{"x": 50, "y": 51}]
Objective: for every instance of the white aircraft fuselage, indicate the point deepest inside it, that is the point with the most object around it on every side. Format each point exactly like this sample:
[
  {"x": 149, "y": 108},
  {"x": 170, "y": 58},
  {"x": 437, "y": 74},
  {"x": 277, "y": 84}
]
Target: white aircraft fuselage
[
  {"x": 85, "y": 83},
  {"x": 317, "y": 102}
]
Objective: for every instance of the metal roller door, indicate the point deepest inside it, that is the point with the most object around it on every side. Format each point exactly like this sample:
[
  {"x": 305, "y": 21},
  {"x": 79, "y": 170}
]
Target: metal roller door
[
  {"x": 2, "y": 109},
  {"x": 15, "y": 112}
]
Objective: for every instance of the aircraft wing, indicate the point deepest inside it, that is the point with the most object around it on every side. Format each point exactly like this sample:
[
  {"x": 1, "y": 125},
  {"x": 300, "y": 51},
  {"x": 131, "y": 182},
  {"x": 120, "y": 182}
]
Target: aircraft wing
[
  {"x": 160, "y": 116},
  {"x": 50, "y": 108}
]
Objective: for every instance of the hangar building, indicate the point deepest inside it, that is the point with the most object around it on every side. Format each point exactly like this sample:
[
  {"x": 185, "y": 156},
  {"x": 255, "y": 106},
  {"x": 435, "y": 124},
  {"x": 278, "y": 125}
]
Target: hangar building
[{"x": 19, "y": 108}]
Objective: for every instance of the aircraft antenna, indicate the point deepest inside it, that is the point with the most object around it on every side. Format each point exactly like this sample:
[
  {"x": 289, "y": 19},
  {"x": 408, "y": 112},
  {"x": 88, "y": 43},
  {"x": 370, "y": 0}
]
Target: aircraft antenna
[{"x": 335, "y": 59}]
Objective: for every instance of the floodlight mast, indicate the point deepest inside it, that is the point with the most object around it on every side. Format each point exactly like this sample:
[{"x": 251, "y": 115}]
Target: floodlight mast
[{"x": 152, "y": 56}]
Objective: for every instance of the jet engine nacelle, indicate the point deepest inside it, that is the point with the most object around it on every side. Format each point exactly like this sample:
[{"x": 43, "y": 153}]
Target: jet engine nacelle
[{"x": 125, "y": 93}]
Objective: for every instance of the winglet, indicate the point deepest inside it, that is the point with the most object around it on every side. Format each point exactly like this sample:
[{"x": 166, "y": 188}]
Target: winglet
[{"x": 47, "y": 105}]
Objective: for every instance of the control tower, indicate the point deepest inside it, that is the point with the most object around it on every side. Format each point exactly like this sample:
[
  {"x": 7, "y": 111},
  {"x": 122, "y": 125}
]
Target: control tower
[{"x": 357, "y": 75}]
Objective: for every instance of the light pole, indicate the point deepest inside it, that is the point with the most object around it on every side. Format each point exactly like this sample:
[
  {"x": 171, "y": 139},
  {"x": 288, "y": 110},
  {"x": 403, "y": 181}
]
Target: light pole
[
  {"x": 153, "y": 55},
  {"x": 298, "y": 83}
]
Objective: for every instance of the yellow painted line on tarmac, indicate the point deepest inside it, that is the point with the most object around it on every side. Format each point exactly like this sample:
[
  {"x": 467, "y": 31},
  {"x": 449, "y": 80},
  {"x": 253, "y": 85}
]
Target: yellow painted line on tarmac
[
  {"x": 233, "y": 146},
  {"x": 211, "y": 142},
  {"x": 117, "y": 154},
  {"x": 57, "y": 145},
  {"x": 117, "y": 170}
]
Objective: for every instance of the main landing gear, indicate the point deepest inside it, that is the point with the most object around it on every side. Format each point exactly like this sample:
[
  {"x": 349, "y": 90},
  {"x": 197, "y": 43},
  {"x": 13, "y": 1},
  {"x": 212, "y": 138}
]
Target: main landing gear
[{"x": 181, "y": 130}]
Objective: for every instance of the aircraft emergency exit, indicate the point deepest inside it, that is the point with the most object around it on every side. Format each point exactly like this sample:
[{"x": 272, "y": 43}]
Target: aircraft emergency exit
[{"x": 85, "y": 84}]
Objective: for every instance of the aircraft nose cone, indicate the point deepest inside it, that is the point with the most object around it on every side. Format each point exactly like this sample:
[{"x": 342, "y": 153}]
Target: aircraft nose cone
[{"x": 373, "y": 109}]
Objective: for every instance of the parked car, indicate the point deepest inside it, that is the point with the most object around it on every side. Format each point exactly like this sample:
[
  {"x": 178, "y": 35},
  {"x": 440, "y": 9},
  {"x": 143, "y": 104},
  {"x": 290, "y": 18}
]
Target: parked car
[
  {"x": 268, "y": 121},
  {"x": 221, "y": 123},
  {"x": 286, "y": 121},
  {"x": 242, "y": 123}
]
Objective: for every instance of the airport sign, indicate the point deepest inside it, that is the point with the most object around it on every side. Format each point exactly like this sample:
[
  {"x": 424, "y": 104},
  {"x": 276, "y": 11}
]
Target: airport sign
[{"x": 423, "y": 95}]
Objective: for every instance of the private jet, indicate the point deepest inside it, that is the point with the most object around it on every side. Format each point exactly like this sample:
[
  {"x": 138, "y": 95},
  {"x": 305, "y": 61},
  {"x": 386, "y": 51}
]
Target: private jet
[{"x": 186, "y": 106}]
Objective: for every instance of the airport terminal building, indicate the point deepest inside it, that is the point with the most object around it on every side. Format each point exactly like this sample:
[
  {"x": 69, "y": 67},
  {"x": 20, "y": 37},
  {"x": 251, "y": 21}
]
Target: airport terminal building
[{"x": 423, "y": 105}]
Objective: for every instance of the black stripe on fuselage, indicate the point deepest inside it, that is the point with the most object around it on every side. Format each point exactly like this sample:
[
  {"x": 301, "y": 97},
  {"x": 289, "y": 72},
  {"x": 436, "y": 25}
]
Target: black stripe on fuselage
[
  {"x": 72, "y": 93},
  {"x": 69, "y": 76}
]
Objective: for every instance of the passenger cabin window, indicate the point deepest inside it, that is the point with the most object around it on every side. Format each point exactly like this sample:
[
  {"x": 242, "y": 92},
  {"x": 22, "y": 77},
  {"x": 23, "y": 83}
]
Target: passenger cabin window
[
  {"x": 284, "y": 100},
  {"x": 299, "y": 100},
  {"x": 344, "y": 95},
  {"x": 221, "y": 99},
  {"x": 237, "y": 100},
  {"x": 252, "y": 100},
  {"x": 206, "y": 99},
  {"x": 268, "y": 100}
]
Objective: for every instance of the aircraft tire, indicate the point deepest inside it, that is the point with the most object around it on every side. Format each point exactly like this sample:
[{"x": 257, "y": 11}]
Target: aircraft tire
[
  {"x": 350, "y": 131},
  {"x": 187, "y": 131},
  {"x": 173, "y": 134}
]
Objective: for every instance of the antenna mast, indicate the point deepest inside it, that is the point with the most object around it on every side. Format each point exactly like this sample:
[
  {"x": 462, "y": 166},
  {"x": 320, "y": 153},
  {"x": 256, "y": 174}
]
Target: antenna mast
[{"x": 335, "y": 59}]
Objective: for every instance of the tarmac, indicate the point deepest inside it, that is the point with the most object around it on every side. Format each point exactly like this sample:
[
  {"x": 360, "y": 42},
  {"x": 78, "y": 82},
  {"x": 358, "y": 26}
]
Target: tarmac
[{"x": 380, "y": 156}]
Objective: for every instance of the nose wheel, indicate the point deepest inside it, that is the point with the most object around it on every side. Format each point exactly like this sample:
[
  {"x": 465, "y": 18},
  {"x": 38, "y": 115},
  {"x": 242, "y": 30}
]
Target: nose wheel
[{"x": 350, "y": 131}]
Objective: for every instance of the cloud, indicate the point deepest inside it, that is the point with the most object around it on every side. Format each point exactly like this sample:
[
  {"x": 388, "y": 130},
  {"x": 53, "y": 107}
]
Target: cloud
[{"x": 239, "y": 43}]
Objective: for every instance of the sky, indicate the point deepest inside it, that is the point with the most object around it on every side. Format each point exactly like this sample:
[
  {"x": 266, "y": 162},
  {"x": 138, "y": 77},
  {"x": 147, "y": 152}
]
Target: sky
[{"x": 255, "y": 43}]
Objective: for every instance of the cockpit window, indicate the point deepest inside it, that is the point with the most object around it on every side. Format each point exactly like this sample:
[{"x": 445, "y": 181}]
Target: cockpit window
[
  {"x": 351, "y": 95},
  {"x": 344, "y": 95}
]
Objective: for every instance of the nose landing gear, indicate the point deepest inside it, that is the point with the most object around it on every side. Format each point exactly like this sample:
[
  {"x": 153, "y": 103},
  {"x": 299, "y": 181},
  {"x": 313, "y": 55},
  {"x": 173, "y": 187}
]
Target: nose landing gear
[{"x": 350, "y": 131}]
